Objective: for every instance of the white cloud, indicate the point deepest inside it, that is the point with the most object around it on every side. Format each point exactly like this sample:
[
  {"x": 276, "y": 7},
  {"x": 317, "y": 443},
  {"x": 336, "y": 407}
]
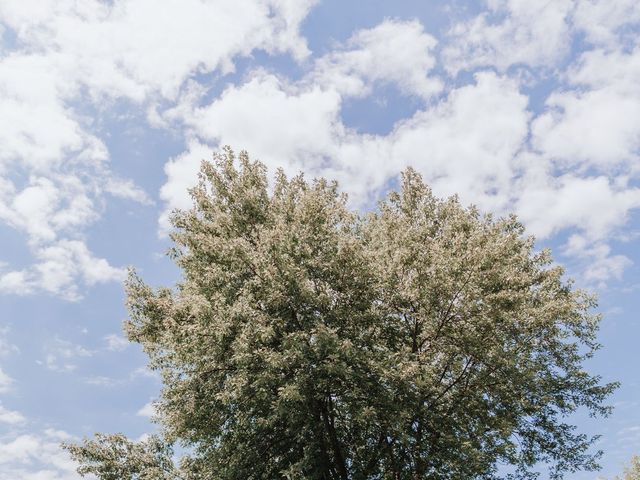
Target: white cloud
[
  {"x": 467, "y": 144},
  {"x": 598, "y": 121},
  {"x": 294, "y": 126},
  {"x": 589, "y": 135},
  {"x": 602, "y": 20},
  {"x": 136, "y": 48},
  {"x": 92, "y": 52},
  {"x": 116, "y": 343},
  {"x": 5, "y": 382},
  {"x": 538, "y": 34},
  {"x": 148, "y": 410},
  {"x": 126, "y": 189},
  {"x": 511, "y": 32},
  {"x": 604, "y": 121},
  {"x": 15, "y": 283},
  {"x": 58, "y": 269},
  {"x": 600, "y": 264},
  {"x": 32, "y": 456},
  {"x": 47, "y": 207},
  {"x": 594, "y": 205},
  {"x": 37, "y": 128},
  {"x": 10, "y": 417},
  {"x": 278, "y": 121},
  {"x": 393, "y": 52},
  {"x": 52, "y": 169}
]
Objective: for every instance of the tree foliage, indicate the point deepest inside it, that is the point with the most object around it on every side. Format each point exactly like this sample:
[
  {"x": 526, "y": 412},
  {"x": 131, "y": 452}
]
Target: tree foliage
[
  {"x": 308, "y": 341},
  {"x": 114, "y": 457},
  {"x": 632, "y": 470}
]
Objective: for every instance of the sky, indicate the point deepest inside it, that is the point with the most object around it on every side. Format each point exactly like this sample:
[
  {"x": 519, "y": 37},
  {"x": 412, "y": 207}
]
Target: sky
[{"x": 107, "y": 108}]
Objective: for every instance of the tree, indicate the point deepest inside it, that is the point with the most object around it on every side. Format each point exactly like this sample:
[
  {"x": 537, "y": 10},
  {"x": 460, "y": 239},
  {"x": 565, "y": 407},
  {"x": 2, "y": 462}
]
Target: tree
[
  {"x": 632, "y": 470},
  {"x": 307, "y": 341}
]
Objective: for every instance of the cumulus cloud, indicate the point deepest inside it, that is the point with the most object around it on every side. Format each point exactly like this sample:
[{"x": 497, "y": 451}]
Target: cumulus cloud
[
  {"x": 58, "y": 269},
  {"x": 537, "y": 34},
  {"x": 511, "y": 32},
  {"x": 595, "y": 205},
  {"x": 597, "y": 121},
  {"x": 5, "y": 382},
  {"x": 137, "y": 48},
  {"x": 61, "y": 163},
  {"x": 116, "y": 343},
  {"x": 600, "y": 264},
  {"x": 54, "y": 168},
  {"x": 603, "y": 21},
  {"x": 466, "y": 144},
  {"x": 393, "y": 52},
  {"x": 277, "y": 120},
  {"x": 36, "y": 456},
  {"x": 10, "y": 417},
  {"x": 148, "y": 410}
]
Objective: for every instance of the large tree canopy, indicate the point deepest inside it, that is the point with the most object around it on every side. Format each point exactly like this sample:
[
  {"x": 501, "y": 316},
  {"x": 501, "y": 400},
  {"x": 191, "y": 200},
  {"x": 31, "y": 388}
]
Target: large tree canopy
[{"x": 308, "y": 341}]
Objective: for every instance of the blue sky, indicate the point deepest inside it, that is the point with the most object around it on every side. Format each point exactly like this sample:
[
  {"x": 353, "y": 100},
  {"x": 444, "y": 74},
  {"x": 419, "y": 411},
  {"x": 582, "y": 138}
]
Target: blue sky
[{"x": 107, "y": 108}]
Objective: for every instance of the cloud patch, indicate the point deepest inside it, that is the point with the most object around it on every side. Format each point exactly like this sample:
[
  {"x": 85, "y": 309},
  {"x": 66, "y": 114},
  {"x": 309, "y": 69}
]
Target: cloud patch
[{"x": 54, "y": 167}]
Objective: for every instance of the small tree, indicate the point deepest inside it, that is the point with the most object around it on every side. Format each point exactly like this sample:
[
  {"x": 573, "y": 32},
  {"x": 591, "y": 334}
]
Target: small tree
[{"x": 306, "y": 341}]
